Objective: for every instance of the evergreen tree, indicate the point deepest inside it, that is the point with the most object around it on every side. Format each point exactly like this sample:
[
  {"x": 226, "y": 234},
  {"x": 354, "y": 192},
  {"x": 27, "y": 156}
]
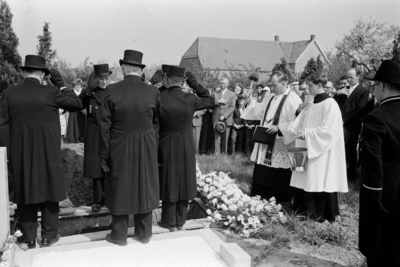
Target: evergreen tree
[
  {"x": 320, "y": 65},
  {"x": 10, "y": 59},
  {"x": 396, "y": 49},
  {"x": 44, "y": 46},
  {"x": 284, "y": 68},
  {"x": 310, "y": 68}
]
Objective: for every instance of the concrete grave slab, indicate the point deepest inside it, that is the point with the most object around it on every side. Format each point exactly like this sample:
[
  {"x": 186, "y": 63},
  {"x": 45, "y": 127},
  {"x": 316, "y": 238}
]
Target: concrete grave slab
[{"x": 208, "y": 239}]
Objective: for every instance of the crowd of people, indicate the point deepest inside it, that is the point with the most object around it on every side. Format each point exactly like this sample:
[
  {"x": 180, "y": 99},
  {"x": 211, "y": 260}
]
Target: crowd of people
[{"x": 141, "y": 139}]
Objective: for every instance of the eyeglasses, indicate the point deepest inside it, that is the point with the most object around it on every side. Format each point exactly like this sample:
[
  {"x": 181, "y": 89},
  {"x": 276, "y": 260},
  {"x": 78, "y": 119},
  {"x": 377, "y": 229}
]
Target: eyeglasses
[{"x": 372, "y": 86}]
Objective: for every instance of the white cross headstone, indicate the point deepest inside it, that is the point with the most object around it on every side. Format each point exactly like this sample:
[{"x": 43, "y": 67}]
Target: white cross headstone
[{"x": 4, "y": 201}]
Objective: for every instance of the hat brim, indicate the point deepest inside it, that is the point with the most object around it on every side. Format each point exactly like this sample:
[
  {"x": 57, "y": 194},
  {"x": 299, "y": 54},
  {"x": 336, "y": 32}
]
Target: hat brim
[
  {"x": 176, "y": 77},
  {"x": 121, "y": 61},
  {"x": 217, "y": 129},
  {"x": 104, "y": 74},
  {"x": 45, "y": 70}
]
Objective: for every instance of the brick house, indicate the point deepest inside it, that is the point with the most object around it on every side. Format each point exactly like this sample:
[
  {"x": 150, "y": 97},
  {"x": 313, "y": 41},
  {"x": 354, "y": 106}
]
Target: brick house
[{"x": 220, "y": 53}]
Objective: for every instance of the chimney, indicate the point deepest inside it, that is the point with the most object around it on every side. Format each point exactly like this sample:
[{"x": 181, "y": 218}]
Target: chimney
[
  {"x": 312, "y": 37},
  {"x": 276, "y": 38}
]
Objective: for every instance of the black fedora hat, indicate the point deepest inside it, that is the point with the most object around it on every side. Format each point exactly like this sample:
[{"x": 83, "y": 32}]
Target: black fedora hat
[
  {"x": 101, "y": 70},
  {"x": 175, "y": 72},
  {"x": 389, "y": 71},
  {"x": 35, "y": 62},
  {"x": 132, "y": 57}
]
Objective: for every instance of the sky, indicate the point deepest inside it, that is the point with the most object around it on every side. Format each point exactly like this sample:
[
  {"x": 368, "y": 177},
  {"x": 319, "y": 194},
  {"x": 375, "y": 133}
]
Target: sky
[{"x": 164, "y": 29}]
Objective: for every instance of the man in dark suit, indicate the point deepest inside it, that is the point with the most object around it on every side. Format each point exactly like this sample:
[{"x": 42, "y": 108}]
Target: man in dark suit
[
  {"x": 128, "y": 150},
  {"x": 92, "y": 97},
  {"x": 379, "y": 233},
  {"x": 30, "y": 129},
  {"x": 352, "y": 113},
  {"x": 225, "y": 105},
  {"x": 176, "y": 151},
  {"x": 197, "y": 122},
  {"x": 206, "y": 135}
]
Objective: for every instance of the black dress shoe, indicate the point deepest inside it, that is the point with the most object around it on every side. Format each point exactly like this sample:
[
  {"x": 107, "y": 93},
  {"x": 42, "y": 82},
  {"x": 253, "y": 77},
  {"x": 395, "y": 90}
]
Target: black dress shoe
[
  {"x": 116, "y": 242},
  {"x": 31, "y": 244},
  {"x": 47, "y": 242},
  {"x": 145, "y": 240},
  {"x": 179, "y": 227},
  {"x": 167, "y": 226}
]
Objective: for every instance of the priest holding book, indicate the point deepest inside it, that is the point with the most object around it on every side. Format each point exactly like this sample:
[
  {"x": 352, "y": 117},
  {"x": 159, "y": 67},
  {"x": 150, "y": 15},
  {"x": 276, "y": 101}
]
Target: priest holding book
[{"x": 319, "y": 128}]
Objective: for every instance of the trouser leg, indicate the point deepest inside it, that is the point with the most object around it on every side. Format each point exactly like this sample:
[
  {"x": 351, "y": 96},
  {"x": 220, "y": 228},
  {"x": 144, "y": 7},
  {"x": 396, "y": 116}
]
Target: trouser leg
[
  {"x": 168, "y": 213},
  {"x": 181, "y": 212},
  {"x": 197, "y": 140},
  {"x": 27, "y": 215},
  {"x": 217, "y": 140},
  {"x": 240, "y": 140},
  {"x": 143, "y": 224},
  {"x": 49, "y": 222},
  {"x": 119, "y": 228},
  {"x": 225, "y": 137},
  {"x": 203, "y": 139},
  {"x": 233, "y": 139},
  {"x": 248, "y": 136},
  {"x": 99, "y": 195},
  {"x": 351, "y": 156}
]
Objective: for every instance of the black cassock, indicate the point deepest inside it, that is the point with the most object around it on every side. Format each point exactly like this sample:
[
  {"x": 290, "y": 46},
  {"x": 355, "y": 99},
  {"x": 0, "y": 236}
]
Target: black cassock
[
  {"x": 30, "y": 129},
  {"x": 176, "y": 150},
  {"x": 92, "y": 104},
  {"x": 128, "y": 140},
  {"x": 379, "y": 233}
]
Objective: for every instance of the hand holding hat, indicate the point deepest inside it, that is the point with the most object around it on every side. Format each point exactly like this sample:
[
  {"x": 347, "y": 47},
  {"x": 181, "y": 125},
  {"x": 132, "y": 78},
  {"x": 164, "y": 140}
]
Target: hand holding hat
[
  {"x": 192, "y": 82},
  {"x": 157, "y": 77},
  {"x": 56, "y": 78}
]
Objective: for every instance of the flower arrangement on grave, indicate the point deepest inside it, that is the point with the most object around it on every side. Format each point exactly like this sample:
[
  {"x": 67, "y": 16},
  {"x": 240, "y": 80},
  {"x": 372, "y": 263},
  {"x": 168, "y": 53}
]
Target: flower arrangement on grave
[
  {"x": 231, "y": 208},
  {"x": 6, "y": 246}
]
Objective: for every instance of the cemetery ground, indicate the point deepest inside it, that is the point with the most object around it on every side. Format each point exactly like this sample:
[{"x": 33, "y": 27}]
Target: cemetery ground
[{"x": 299, "y": 242}]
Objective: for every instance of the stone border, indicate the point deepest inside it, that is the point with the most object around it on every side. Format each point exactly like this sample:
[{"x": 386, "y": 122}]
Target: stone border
[{"x": 231, "y": 253}]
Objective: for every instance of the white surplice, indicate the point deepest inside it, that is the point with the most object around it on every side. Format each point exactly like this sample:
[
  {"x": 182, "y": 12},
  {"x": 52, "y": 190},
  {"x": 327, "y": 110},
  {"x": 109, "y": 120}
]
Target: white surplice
[
  {"x": 324, "y": 139},
  {"x": 255, "y": 111}
]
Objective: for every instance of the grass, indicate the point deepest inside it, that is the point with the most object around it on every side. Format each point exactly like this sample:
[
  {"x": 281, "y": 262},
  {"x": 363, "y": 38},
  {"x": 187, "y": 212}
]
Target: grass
[{"x": 342, "y": 233}]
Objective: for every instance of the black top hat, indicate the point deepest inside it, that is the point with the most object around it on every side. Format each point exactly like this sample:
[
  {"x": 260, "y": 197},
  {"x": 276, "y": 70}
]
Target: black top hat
[
  {"x": 132, "y": 57},
  {"x": 220, "y": 126},
  {"x": 164, "y": 68},
  {"x": 389, "y": 71},
  {"x": 101, "y": 70},
  {"x": 35, "y": 62},
  {"x": 175, "y": 72}
]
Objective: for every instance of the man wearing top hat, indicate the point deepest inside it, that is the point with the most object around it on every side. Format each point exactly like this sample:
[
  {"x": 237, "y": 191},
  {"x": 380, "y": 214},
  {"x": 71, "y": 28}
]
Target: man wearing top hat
[
  {"x": 92, "y": 97},
  {"x": 379, "y": 233},
  {"x": 30, "y": 129},
  {"x": 128, "y": 150},
  {"x": 176, "y": 151}
]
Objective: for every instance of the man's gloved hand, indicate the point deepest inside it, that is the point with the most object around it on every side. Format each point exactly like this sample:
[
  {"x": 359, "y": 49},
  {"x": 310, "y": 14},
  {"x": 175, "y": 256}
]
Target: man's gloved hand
[
  {"x": 56, "y": 78},
  {"x": 91, "y": 83},
  {"x": 191, "y": 81},
  {"x": 157, "y": 77},
  {"x": 104, "y": 165}
]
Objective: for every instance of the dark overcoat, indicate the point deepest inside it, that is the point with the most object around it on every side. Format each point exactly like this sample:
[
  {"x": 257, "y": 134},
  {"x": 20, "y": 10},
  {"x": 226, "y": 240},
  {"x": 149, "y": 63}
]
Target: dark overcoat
[
  {"x": 176, "y": 150},
  {"x": 128, "y": 140},
  {"x": 30, "y": 129},
  {"x": 92, "y": 104},
  {"x": 379, "y": 234}
]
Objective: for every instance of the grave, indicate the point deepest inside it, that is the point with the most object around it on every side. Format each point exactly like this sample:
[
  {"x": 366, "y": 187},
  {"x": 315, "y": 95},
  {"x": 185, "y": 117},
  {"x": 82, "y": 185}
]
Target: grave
[
  {"x": 193, "y": 246},
  {"x": 5, "y": 208}
]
